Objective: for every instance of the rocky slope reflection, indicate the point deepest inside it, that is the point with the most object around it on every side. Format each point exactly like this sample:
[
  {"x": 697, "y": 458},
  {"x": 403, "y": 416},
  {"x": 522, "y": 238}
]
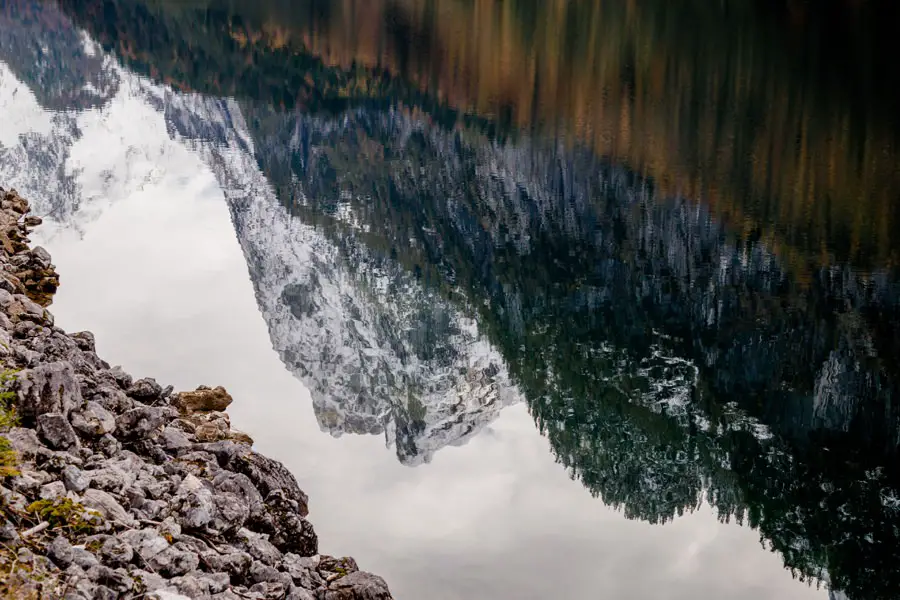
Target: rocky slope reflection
[{"x": 669, "y": 361}]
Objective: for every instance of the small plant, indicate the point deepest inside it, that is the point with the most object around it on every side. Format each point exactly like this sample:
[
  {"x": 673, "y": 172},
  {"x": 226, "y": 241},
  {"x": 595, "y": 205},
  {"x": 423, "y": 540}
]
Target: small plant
[{"x": 65, "y": 513}]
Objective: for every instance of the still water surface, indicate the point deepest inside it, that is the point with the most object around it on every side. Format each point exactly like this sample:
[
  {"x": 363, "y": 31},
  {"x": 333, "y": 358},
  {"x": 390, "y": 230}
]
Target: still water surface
[{"x": 538, "y": 300}]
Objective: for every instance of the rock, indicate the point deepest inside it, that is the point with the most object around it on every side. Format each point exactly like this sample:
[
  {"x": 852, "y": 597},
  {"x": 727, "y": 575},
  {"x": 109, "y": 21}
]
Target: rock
[
  {"x": 107, "y": 506},
  {"x": 48, "y": 388},
  {"x": 146, "y": 542},
  {"x": 145, "y": 390},
  {"x": 202, "y": 399},
  {"x": 26, "y": 444},
  {"x": 39, "y": 253},
  {"x": 93, "y": 420},
  {"x": 83, "y": 558},
  {"x": 289, "y": 531},
  {"x": 8, "y": 531},
  {"x": 173, "y": 438},
  {"x": 53, "y": 490},
  {"x": 357, "y": 586},
  {"x": 193, "y": 506},
  {"x": 258, "y": 547},
  {"x": 236, "y": 564},
  {"x": 231, "y": 512},
  {"x": 174, "y": 561},
  {"x": 60, "y": 551},
  {"x": 54, "y": 428},
  {"x": 267, "y": 475},
  {"x": 141, "y": 422},
  {"x": 298, "y": 593},
  {"x": 84, "y": 340},
  {"x": 75, "y": 479},
  {"x": 116, "y": 551}
]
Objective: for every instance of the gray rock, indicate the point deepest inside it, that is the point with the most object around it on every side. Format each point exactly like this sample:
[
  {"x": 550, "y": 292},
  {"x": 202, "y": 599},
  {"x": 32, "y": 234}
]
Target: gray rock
[
  {"x": 145, "y": 390},
  {"x": 109, "y": 445},
  {"x": 75, "y": 479},
  {"x": 53, "y": 490},
  {"x": 231, "y": 512},
  {"x": 111, "y": 578},
  {"x": 93, "y": 420},
  {"x": 8, "y": 531},
  {"x": 298, "y": 593},
  {"x": 116, "y": 551},
  {"x": 141, "y": 422},
  {"x": 191, "y": 586},
  {"x": 235, "y": 563},
  {"x": 54, "y": 428},
  {"x": 357, "y": 586},
  {"x": 270, "y": 589},
  {"x": 146, "y": 542},
  {"x": 174, "y": 561},
  {"x": 150, "y": 581},
  {"x": 267, "y": 476},
  {"x": 258, "y": 547},
  {"x": 173, "y": 438},
  {"x": 120, "y": 377},
  {"x": 240, "y": 485},
  {"x": 83, "y": 558},
  {"x": 48, "y": 388},
  {"x": 216, "y": 582},
  {"x": 60, "y": 551},
  {"x": 193, "y": 506},
  {"x": 107, "y": 506},
  {"x": 26, "y": 444},
  {"x": 85, "y": 340},
  {"x": 260, "y": 572},
  {"x": 289, "y": 531}
]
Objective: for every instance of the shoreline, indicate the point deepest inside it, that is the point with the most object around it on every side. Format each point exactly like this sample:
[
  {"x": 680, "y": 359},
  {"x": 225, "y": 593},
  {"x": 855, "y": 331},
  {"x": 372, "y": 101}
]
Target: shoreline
[{"x": 116, "y": 487}]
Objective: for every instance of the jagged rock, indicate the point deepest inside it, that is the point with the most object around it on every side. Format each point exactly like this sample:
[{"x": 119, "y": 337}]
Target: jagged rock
[
  {"x": 48, "y": 388},
  {"x": 53, "y": 490},
  {"x": 290, "y": 532},
  {"x": 84, "y": 340},
  {"x": 116, "y": 551},
  {"x": 235, "y": 563},
  {"x": 146, "y": 542},
  {"x": 145, "y": 390},
  {"x": 258, "y": 546},
  {"x": 175, "y": 561},
  {"x": 173, "y": 438},
  {"x": 357, "y": 586},
  {"x": 56, "y": 431},
  {"x": 60, "y": 551},
  {"x": 75, "y": 479},
  {"x": 202, "y": 399},
  {"x": 266, "y": 474},
  {"x": 193, "y": 506},
  {"x": 93, "y": 420},
  {"x": 140, "y": 422},
  {"x": 107, "y": 506},
  {"x": 298, "y": 593}
]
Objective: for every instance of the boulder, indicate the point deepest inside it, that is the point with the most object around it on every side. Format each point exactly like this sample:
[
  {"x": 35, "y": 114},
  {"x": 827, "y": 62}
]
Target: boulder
[
  {"x": 48, "y": 388},
  {"x": 54, "y": 428},
  {"x": 202, "y": 399}
]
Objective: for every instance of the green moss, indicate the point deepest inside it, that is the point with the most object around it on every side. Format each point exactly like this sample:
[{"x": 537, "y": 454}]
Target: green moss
[
  {"x": 64, "y": 513},
  {"x": 8, "y": 458}
]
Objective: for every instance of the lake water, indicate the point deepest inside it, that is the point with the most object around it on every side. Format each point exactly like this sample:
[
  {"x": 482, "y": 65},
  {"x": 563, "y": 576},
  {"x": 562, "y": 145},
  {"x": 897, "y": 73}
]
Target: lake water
[{"x": 536, "y": 299}]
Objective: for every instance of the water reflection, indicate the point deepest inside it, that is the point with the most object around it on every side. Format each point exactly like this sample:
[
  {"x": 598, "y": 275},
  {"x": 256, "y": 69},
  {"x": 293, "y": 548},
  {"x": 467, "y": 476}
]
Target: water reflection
[{"x": 569, "y": 206}]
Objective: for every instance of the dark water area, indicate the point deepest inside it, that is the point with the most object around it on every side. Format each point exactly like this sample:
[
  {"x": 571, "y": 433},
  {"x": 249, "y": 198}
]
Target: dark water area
[{"x": 669, "y": 230}]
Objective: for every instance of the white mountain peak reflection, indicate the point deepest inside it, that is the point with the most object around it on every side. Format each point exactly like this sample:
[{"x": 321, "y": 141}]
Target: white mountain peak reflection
[{"x": 380, "y": 354}]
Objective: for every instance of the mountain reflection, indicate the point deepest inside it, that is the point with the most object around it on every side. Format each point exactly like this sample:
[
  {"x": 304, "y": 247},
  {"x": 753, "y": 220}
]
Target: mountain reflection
[{"x": 586, "y": 206}]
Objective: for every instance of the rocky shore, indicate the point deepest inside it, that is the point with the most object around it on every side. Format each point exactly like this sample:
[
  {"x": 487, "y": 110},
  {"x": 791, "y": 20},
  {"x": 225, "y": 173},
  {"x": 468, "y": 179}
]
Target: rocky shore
[{"x": 115, "y": 487}]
